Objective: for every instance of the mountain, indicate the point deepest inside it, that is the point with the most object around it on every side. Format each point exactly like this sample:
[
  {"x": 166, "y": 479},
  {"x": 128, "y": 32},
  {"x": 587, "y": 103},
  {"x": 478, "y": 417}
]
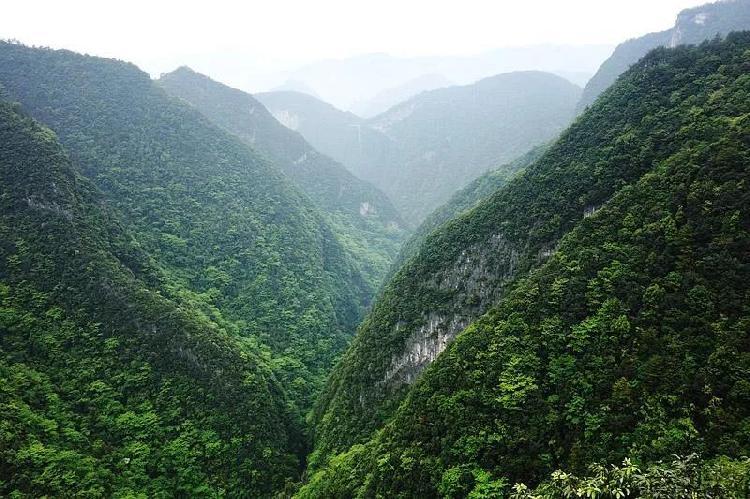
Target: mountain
[
  {"x": 296, "y": 86},
  {"x": 343, "y": 136},
  {"x": 362, "y": 216},
  {"x": 593, "y": 309},
  {"x": 348, "y": 82},
  {"x": 448, "y": 137},
  {"x": 464, "y": 200},
  {"x": 423, "y": 150},
  {"x": 385, "y": 99},
  {"x": 228, "y": 227},
  {"x": 692, "y": 26},
  {"x": 109, "y": 387}
]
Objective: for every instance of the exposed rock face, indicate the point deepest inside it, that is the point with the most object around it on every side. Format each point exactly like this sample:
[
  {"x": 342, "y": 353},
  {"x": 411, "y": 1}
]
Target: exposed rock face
[
  {"x": 590, "y": 210},
  {"x": 366, "y": 209},
  {"x": 287, "y": 118},
  {"x": 474, "y": 282},
  {"x": 691, "y": 27}
]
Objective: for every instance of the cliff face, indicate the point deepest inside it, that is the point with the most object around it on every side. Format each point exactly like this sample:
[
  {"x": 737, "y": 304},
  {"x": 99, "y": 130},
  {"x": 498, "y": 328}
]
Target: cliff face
[
  {"x": 691, "y": 27},
  {"x": 470, "y": 284}
]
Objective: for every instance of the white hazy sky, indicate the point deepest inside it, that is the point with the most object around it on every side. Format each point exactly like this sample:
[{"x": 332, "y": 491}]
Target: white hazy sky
[{"x": 278, "y": 34}]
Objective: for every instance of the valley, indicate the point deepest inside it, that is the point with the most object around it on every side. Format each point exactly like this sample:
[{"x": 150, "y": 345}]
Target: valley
[{"x": 526, "y": 284}]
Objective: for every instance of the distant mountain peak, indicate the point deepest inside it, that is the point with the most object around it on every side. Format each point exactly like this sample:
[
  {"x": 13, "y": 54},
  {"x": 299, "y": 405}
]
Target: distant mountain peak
[
  {"x": 692, "y": 26},
  {"x": 294, "y": 85}
]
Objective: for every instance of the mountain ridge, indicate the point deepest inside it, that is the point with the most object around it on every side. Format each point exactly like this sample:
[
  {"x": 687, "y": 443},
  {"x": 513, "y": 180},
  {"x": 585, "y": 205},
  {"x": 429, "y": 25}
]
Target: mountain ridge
[
  {"x": 359, "y": 212},
  {"x": 421, "y": 151},
  {"x": 471, "y": 263},
  {"x": 110, "y": 385},
  {"x": 692, "y": 26}
]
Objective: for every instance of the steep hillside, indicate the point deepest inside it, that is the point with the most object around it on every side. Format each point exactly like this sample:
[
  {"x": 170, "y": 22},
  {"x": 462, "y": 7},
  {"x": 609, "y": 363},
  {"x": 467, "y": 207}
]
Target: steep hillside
[
  {"x": 224, "y": 224},
  {"x": 363, "y": 216},
  {"x": 366, "y": 152},
  {"x": 617, "y": 267},
  {"x": 107, "y": 388},
  {"x": 422, "y": 151},
  {"x": 692, "y": 26},
  {"x": 448, "y": 137},
  {"x": 464, "y": 200}
]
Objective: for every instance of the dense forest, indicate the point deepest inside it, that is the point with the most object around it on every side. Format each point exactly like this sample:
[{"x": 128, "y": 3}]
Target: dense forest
[
  {"x": 109, "y": 387},
  {"x": 232, "y": 232},
  {"x": 617, "y": 322},
  {"x": 365, "y": 221},
  {"x": 515, "y": 288}
]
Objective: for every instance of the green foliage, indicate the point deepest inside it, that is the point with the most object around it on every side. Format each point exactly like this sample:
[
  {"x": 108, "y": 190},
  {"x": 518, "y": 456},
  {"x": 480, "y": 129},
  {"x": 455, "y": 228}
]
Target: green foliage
[
  {"x": 448, "y": 137},
  {"x": 237, "y": 241},
  {"x": 622, "y": 328},
  {"x": 363, "y": 217},
  {"x": 681, "y": 478},
  {"x": 422, "y": 151},
  {"x": 107, "y": 387},
  {"x": 464, "y": 200}
]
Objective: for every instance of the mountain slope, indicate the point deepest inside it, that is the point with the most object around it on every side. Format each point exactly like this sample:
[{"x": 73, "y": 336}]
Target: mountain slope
[
  {"x": 652, "y": 139},
  {"x": 464, "y": 200},
  {"x": 421, "y": 151},
  {"x": 448, "y": 137},
  {"x": 360, "y": 213},
  {"x": 692, "y": 26},
  {"x": 226, "y": 225},
  {"x": 343, "y": 136},
  {"x": 107, "y": 388}
]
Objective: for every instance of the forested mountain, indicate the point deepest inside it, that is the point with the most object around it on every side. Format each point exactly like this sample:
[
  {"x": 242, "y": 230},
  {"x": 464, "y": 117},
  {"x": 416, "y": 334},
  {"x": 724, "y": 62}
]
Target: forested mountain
[
  {"x": 423, "y": 150},
  {"x": 110, "y": 386},
  {"x": 229, "y": 229},
  {"x": 601, "y": 299},
  {"x": 364, "y": 219},
  {"x": 510, "y": 287},
  {"x": 692, "y": 26},
  {"x": 448, "y": 137},
  {"x": 464, "y": 200}
]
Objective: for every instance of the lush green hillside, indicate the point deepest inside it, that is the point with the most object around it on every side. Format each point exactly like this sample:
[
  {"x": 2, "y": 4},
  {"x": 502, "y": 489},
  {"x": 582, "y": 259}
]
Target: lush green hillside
[
  {"x": 450, "y": 136},
  {"x": 464, "y": 200},
  {"x": 363, "y": 216},
  {"x": 107, "y": 387},
  {"x": 617, "y": 270},
  {"x": 692, "y": 26},
  {"x": 226, "y": 225}
]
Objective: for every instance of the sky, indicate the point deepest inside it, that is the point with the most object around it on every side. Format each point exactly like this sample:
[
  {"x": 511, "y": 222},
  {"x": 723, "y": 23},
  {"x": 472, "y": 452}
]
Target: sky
[{"x": 274, "y": 35}]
